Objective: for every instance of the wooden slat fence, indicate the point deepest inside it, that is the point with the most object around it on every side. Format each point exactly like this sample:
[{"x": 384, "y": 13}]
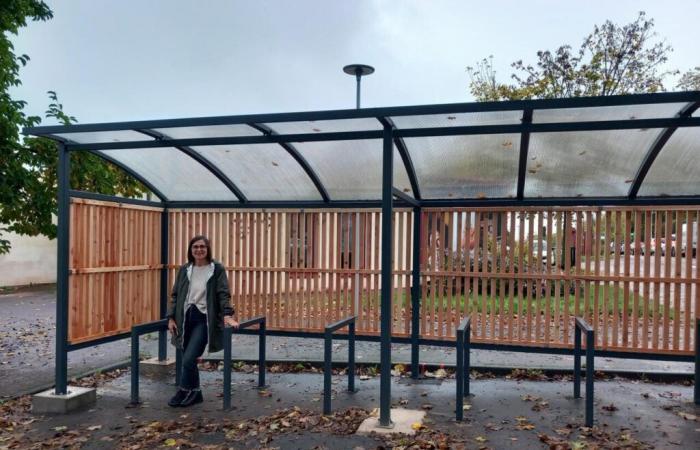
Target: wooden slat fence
[
  {"x": 303, "y": 269},
  {"x": 524, "y": 274},
  {"x": 114, "y": 268}
]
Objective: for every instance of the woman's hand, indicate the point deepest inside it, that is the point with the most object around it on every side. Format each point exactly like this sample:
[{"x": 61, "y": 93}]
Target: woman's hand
[
  {"x": 231, "y": 322},
  {"x": 172, "y": 327}
]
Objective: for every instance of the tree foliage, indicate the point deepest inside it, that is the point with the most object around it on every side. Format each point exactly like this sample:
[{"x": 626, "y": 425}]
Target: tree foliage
[
  {"x": 690, "y": 81},
  {"x": 611, "y": 60},
  {"x": 28, "y": 181}
]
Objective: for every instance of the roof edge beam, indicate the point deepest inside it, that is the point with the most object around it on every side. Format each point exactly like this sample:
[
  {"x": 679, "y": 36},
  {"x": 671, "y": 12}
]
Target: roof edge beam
[
  {"x": 298, "y": 157},
  {"x": 514, "y": 105},
  {"x": 208, "y": 165},
  {"x": 405, "y": 157},
  {"x": 401, "y": 132},
  {"x": 544, "y": 202},
  {"x": 405, "y": 197},
  {"x": 656, "y": 147},
  {"x": 524, "y": 148}
]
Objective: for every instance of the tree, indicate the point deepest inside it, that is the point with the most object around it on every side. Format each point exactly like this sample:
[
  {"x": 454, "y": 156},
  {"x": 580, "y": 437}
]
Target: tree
[
  {"x": 690, "y": 81},
  {"x": 28, "y": 181},
  {"x": 611, "y": 60}
]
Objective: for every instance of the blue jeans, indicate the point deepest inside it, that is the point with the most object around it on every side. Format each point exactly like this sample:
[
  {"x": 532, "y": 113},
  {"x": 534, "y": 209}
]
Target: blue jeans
[{"x": 195, "y": 342}]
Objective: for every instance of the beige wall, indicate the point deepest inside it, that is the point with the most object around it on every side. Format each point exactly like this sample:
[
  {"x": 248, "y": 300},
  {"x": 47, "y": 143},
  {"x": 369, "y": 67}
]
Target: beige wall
[{"x": 31, "y": 260}]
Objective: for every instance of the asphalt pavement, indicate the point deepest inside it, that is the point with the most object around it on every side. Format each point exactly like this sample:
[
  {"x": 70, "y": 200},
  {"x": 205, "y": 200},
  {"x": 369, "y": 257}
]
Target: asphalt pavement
[{"x": 27, "y": 346}]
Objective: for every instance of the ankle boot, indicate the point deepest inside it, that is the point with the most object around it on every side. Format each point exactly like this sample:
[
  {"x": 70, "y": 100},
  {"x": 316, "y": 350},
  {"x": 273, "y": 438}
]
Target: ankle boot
[
  {"x": 192, "y": 398},
  {"x": 178, "y": 398}
]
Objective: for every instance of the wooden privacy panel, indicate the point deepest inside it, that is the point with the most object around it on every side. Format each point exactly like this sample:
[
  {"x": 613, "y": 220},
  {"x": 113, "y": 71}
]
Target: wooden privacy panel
[
  {"x": 524, "y": 274},
  {"x": 302, "y": 269},
  {"x": 114, "y": 268}
]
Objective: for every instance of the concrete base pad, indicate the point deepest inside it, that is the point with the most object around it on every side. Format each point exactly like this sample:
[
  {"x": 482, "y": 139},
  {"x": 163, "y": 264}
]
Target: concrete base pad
[
  {"x": 403, "y": 422},
  {"x": 153, "y": 367},
  {"x": 77, "y": 397}
]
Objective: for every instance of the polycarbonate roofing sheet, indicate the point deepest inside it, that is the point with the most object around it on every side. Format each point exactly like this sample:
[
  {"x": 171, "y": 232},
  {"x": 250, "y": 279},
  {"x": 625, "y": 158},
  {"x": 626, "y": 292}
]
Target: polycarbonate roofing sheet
[
  {"x": 600, "y": 113},
  {"x": 208, "y": 131},
  {"x": 570, "y": 152},
  {"x": 352, "y": 178},
  {"x": 585, "y": 163},
  {"x": 459, "y": 119},
  {"x": 325, "y": 126},
  {"x": 105, "y": 136},
  {"x": 174, "y": 173},
  {"x": 676, "y": 170},
  {"x": 262, "y": 171},
  {"x": 480, "y": 166}
]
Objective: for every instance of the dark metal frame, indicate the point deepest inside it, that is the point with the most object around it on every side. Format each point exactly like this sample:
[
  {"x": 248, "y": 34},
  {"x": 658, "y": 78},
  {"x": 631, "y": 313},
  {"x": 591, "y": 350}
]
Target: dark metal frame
[
  {"x": 582, "y": 325},
  {"x": 463, "y": 365},
  {"x": 228, "y": 334},
  {"x": 136, "y": 332},
  {"x": 525, "y": 128},
  {"x": 328, "y": 358},
  {"x": 390, "y": 136}
]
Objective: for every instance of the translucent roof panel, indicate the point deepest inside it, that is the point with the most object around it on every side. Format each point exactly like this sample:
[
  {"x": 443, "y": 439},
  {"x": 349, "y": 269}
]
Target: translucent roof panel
[
  {"x": 175, "y": 174},
  {"x": 325, "y": 126},
  {"x": 262, "y": 171},
  {"x": 207, "y": 131},
  {"x": 676, "y": 170},
  {"x": 483, "y": 166},
  {"x": 459, "y": 120},
  {"x": 105, "y": 136},
  {"x": 585, "y": 163},
  {"x": 599, "y": 113},
  {"x": 352, "y": 170}
]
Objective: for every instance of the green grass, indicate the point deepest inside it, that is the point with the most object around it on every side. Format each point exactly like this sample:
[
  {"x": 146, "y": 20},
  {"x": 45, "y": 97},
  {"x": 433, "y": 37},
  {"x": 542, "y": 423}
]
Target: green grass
[{"x": 476, "y": 302}]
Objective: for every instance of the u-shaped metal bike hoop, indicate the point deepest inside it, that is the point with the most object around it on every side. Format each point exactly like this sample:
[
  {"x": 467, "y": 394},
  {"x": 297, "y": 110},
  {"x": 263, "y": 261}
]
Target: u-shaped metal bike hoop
[
  {"x": 328, "y": 358},
  {"x": 462, "y": 375},
  {"x": 228, "y": 334},
  {"x": 136, "y": 332},
  {"x": 582, "y": 325}
]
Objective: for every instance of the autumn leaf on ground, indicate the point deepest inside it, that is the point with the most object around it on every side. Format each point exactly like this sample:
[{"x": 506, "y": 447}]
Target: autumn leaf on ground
[
  {"x": 688, "y": 416},
  {"x": 480, "y": 439},
  {"x": 611, "y": 407},
  {"x": 170, "y": 442}
]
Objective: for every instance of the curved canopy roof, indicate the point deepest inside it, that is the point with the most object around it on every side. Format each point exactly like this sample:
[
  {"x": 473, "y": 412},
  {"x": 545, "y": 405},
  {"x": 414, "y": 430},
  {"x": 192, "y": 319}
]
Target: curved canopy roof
[{"x": 580, "y": 150}]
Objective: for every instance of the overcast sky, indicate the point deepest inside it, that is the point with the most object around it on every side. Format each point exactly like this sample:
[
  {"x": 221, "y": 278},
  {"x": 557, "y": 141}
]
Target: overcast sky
[{"x": 138, "y": 59}]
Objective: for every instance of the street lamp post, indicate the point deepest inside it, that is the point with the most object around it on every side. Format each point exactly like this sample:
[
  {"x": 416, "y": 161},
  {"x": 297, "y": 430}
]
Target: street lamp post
[{"x": 359, "y": 70}]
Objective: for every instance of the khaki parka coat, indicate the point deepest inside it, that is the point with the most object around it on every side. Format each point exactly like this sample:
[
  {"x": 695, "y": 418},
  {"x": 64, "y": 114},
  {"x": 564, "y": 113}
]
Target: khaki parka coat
[{"x": 218, "y": 305}]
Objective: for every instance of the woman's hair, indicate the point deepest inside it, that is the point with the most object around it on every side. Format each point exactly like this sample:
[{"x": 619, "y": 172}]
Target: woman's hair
[{"x": 190, "y": 256}]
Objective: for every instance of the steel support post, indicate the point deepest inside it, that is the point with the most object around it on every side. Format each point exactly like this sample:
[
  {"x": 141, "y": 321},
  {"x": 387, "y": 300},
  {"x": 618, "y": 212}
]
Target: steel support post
[
  {"x": 577, "y": 362},
  {"x": 63, "y": 251},
  {"x": 467, "y": 357},
  {"x": 351, "y": 357},
  {"x": 387, "y": 252},
  {"x": 134, "y": 366},
  {"x": 164, "y": 243},
  {"x": 327, "y": 367},
  {"x": 228, "y": 331},
  {"x": 261, "y": 354},
  {"x": 459, "y": 404},
  {"x": 590, "y": 368},
  {"x": 415, "y": 295}
]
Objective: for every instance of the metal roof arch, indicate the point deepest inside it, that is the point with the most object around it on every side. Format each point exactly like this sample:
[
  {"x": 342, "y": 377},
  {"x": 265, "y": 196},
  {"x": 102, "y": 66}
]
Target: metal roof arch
[{"x": 201, "y": 160}]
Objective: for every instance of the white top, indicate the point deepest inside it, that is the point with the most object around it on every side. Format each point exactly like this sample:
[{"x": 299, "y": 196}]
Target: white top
[{"x": 198, "y": 288}]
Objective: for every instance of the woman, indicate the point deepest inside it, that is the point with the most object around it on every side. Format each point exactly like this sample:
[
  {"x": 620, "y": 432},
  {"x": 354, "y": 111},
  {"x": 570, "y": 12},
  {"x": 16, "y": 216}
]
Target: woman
[{"x": 200, "y": 306}]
